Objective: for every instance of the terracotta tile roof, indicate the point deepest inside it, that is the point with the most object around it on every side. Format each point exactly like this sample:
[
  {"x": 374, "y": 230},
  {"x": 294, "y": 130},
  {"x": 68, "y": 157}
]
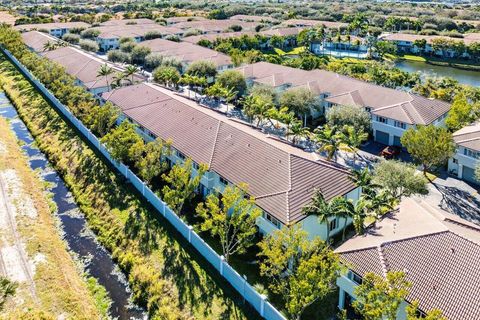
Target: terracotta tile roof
[
  {"x": 395, "y": 104},
  {"x": 438, "y": 252},
  {"x": 50, "y": 26},
  {"x": 136, "y": 30},
  {"x": 244, "y": 17},
  {"x": 468, "y": 137},
  {"x": 280, "y": 177},
  {"x": 216, "y": 25},
  {"x": 173, "y": 20},
  {"x": 407, "y": 37},
  {"x": 214, "y": 36},
  {"x": 7, "y": 18},
  {"x": 311, "y": 23},
  {"x": 187, "y": 52},
  {"x": 83, "y": 66},
  {"x": 125, "y": 22},
  {"x": 282, "y": 32},
  {"x": 36, "y": 39}
]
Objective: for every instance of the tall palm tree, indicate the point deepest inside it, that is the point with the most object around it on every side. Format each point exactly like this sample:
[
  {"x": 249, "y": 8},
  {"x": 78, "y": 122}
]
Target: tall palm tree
[
  {"x": 321, "y": 208},
  {"x": 382, "y": 203},
  {"x": 130, "y": 71},
  {"x": 358, "y": 211},
  {"x": 49, "y": 46},
  {"x": 329, "y": 141},
  {"x": 229, "y": 94},
  {"x": 105, "y": 71},
  {"x": 298, "y": 131},
  {"x": 364, "y": 179},
  {"x": 353, "y": 139},
  {"x": 118, "y": 78}
]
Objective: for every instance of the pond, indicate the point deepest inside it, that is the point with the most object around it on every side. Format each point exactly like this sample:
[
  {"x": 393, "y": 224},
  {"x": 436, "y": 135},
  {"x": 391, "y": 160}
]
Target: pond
[
  {"x": 80, "y": 239},
  {"x": 469, "y": 77}
]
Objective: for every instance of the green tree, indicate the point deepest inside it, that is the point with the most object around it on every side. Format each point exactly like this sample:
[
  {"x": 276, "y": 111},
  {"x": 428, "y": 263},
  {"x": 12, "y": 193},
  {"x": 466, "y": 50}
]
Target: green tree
[
  {"x": 429, "y": 145},
  {"x": 399, "y": 178},
  {"x": 357, "y": 211},
  {"x": 139, "y": 53},
  {"x": 7, "y": 289},
  {"x": 101, "y": 119},
  {"x": 353, "y": 138},
  {"x": 130, "y": 71},
  {"x": 88, "y": 45},
  {"x": 329, "y": 141},
  {"x": 121, "y": 140},
  {"x": 300, "y": 101},
  {"x": 461, "y": 113},
  {"x": 300, "y": 270},
  {"x": 231, "y": 217},
  {"x": 181, "y": 182},
  {"x": 340, "y": 116},
  {"x": 202, "y": 69},
  {"x": 323, "y": 209},
  {"x": 105, "y": 71},
  {"x": 168, "y": 76},
  {"x": 151, "y": 163},
  {"x": 379, "y": 298},
  {"x": 364, "y": 179},
  {"x": 232, "y": 79}
]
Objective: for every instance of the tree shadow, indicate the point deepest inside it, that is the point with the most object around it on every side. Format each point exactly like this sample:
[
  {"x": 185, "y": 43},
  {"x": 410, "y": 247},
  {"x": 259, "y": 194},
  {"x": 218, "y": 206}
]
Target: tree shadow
[{"x": 459, "y": 202}]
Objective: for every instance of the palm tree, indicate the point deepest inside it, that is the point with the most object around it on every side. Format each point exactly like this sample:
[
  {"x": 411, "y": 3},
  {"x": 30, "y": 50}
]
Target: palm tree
[
  {"x": 49, "y": 46},
  {"x": 105, "y": 71},
  {"x": 382, "y": 203},
  {"x": 298, "y": 131},
  {"x": 321, "y": 208},
  {"x": 130, "y": 71},
  {"x": 229, "y": 94},
  {"x": 353, "y": 139},
  {"x": 329, "y": 141},
  {"x": 356, "y": 210},
  {"x": 118, "y": 78},
  {"x": 364, "y": 179}
]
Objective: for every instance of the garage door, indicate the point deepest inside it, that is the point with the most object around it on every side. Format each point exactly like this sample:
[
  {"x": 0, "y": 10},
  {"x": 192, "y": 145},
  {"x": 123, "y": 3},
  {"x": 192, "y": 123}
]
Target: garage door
[
  {"x": 381, "y": 137},
  {"x": 469, "y": 175},
  {"x": 396, "y": 141}
]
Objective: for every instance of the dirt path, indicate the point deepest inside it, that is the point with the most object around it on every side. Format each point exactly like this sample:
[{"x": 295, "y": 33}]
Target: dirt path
[{"x": 13, "y": 258}]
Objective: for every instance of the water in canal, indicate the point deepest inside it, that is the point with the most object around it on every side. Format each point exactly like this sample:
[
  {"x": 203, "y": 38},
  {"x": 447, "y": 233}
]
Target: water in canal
[
  {"x": 469, "y": 77},
  {"x": 79, "y": 238}
]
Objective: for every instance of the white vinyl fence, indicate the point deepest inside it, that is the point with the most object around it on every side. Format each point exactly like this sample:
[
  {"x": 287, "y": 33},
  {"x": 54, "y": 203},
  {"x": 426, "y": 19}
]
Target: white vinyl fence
[{"x": 258, "y": 301}]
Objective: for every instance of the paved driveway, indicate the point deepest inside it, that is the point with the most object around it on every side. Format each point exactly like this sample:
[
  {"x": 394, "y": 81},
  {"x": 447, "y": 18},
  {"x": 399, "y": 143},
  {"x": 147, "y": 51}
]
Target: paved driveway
[{"x": 455, "y": 196}]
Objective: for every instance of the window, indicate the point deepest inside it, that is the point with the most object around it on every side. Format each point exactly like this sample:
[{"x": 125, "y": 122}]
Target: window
[
  {"x": 381, "y": 119},
  {"x": 471, "y": 154},
  {"x": 272, "y": 220},
  {"x": 223, "y": 181},
  {"x": 455, "y": 160},
  {"x": 400, "y": 124},
  {"x": 180, "y": 155},
  {"x": 356, "y": 278},
  {"x": 196, "y": 166},
  {"x": 332, "y": 225},
  {"x": 368, "y": 109}
]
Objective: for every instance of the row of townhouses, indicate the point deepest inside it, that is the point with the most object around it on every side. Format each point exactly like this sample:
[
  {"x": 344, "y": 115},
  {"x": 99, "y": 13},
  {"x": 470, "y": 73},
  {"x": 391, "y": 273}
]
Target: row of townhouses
[
  {"x": 392, "y": 111},
  {"x": 408, "y": 43},
  {"x": 282, "y": 178}
]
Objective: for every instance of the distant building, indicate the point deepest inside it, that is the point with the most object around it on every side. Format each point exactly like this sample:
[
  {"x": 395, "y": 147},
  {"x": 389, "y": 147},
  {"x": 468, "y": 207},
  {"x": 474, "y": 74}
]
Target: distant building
[
  {"x": 251, "y": 18},
  {"x": 187, "y": 53},
  {"x": 56, "y": 29},
  {"x": 313, "y": 23},
  {"x": 216, "y": 26},
  {"x": 406, "y": 43},
  {"x": 393, "y": 111},
  {"x": 437, "y": 251}
]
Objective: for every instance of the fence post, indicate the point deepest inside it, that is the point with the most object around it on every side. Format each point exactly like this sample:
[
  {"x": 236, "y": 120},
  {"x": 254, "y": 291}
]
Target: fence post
[
  {"x": 262, "y": 304},
  {"x": 222, "y": 261},
  {"x": 190, "y": 228}
]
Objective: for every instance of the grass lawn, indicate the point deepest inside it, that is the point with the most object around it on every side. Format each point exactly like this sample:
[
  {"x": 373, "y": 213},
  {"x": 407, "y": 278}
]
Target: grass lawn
[
  {"x": 410, "y": 57},
  {"x": 294, "y": 51}
]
